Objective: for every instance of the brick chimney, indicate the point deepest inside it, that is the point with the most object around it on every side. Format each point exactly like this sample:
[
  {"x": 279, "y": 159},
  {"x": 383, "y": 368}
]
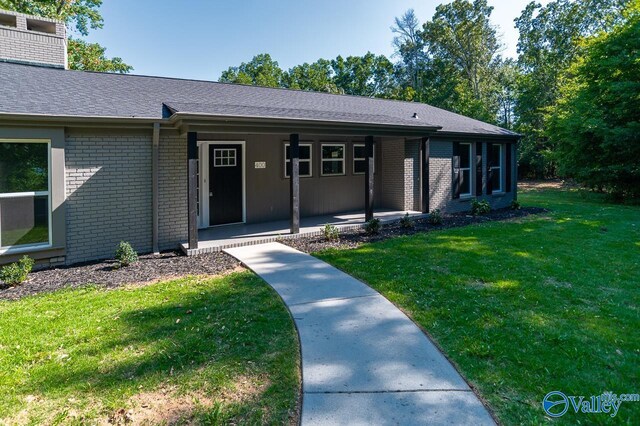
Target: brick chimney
[{"x": 32, "y": 40}]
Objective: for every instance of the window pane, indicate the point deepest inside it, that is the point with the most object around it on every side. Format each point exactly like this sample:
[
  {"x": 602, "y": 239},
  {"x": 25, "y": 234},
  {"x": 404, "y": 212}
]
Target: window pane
[
  {"x": 305, "y": 169},
  {"x": 24, "y": 220},
  {"x": 24, "y": 167},
  {"x": 358, "y": 151},
  {"x": 359, "y": 166},
  {"x": 496, "y": 159},
  {"x": 305, "y": 152},
  {"x": 332, "y": 151},
  {"x": 496, "y": 184},
  {"x": 332, "y": 167},
  {"x": 465, "y": 155},
  {"x": 465, "y": 182},
  {"x": 287, "y": 152}
]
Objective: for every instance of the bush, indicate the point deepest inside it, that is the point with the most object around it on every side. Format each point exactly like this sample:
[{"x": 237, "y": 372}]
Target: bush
[
  {"x": 373, "y": 226},
  {"x": 481, "y": 207},
  {"x": 406, "y": 222},
  {"x": 17, "y": 272},
  {"x": 330, "y": 232},
  {"x": 125, "y": 254},
  {"x": 435, "y": 217},
  {"x": 515, "y": 205}
]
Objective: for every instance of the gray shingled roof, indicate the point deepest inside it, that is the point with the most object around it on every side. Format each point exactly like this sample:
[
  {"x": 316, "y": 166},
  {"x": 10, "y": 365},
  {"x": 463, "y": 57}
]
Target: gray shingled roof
[{"x": 28, "y": 89}]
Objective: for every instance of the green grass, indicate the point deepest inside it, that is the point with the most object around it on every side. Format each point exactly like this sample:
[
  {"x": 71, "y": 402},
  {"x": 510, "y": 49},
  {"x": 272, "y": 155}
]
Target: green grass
[
  {"x": 525, "y": 307},
  {"x": 35, "y": 235},
  {"x": 204, "y": 350}
]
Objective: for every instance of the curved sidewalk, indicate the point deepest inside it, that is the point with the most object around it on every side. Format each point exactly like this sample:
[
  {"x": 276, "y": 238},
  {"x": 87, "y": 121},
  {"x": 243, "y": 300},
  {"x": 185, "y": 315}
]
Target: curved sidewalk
[{"x": 363, "y": 360}]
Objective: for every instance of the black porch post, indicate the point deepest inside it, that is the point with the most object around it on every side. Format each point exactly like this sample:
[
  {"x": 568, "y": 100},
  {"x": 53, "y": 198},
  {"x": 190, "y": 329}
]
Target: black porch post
[
  {"x": 294, "y": 182},
  {"x": 368, "y": 178},
  {"x": 192, "y": 188},
  {"x": 424, "y": 149}
]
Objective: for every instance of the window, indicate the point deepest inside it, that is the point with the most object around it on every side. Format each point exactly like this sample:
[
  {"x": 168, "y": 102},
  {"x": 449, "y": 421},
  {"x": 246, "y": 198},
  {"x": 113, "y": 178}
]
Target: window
[
  {"x": 496, "y": 167},
  {"x": 224, "y": 157},
  {"x": 465, "y": 169},
  {"x": 332, "y": 159},
  {"x": 359, "y": 162},
  {"x": 24, "y": 194},
  {"x": 305, "y": 160}
]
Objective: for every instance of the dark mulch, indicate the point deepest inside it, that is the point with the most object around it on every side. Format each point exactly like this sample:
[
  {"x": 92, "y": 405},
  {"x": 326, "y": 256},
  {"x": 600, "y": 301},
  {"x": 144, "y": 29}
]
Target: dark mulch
[
  {"x": 107, "y": 274},
  {"x": 354, "y": 239}
]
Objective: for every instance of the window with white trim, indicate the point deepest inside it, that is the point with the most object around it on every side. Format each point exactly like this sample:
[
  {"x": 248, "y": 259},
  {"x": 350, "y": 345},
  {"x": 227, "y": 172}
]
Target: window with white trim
[
  {"x": 25, "y": 207},
  {"x": 359, "y": 159},
  {"x": 465, "y": 170},
  {"x": 332, "y": 159},
  {"x": 305, "y": 162},
  {"x": 224, "y": 157},
  {"x": 496, "y": 167}
]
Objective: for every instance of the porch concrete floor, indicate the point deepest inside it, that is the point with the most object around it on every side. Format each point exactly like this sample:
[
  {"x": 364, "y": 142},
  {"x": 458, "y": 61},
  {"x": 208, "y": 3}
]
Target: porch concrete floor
[{"x": 227, "y": 236}]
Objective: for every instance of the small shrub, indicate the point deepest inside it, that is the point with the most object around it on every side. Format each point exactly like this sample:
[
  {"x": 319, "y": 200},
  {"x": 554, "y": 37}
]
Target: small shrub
[
  {"x": 435, "y": 217},
  {"x": 16, "y": 273},
  {"x": 515, "y": 205},
  {"x": 372, "y": 227},
  {"x": 330, "y": 232},
  {"x": 406, "y": 222},
  {"x": 479, "y": 208},
  {"x": 125, "y": 254}
]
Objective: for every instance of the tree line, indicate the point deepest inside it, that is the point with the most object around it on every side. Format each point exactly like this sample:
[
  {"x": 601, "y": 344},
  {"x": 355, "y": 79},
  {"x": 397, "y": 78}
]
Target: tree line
[{"x": 572, "y": 92}]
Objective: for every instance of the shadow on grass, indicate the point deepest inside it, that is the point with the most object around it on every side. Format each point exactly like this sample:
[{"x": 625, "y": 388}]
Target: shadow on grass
[{"x": 194, "y": 337}]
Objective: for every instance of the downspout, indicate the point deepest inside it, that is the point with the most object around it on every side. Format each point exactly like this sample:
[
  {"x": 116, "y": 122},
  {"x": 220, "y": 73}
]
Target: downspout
[{"x": 155, "y": 186}]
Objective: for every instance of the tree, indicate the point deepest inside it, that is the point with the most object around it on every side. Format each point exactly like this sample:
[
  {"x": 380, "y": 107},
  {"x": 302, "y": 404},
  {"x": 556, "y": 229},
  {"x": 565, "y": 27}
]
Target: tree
[
  {"x": 409, "y": 45},
  {"x": 80, "y": 15},
  {"x": 367, "y": 75},
  {"x": 507, "y": 80},
  {"x": 317, "y": 77},
  {"x": 597, "y": 118},
  {"x": 260, "y": 71},
  {"x": 548, "y": 44},
  {"x": 85, "y": 56},
  {"x": 461, "y": 38}
]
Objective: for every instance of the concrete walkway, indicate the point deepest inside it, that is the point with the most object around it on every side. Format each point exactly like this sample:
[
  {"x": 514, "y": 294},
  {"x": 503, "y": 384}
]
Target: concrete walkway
[{"x": 363, "y": 361}]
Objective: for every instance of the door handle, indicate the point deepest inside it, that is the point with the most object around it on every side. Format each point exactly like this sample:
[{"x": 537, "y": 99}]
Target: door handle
[{"x": 211, "y": 194}]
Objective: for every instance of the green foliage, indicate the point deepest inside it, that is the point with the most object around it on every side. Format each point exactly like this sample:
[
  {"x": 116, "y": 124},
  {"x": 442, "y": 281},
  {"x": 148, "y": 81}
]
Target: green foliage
[
  {"x": 515, "y": 205},
  {"x": 17, "y": 272},
  {"x": 330, "y": 232},
  {"x": 372, "y": 226},
  {"x": 406, "y": 222},
  {"x": 597, "y": 118},
  {"x": 23, "y": 167},
  {"x": 317, "y": 77},
  {"x": 479, "y": 208},
  {"x": 548, "y": 45},
  {"x": 435, "y": 217},
  {"x": 125, "y": 254},
  {"x": 86, "y": 56},
  {"x": 260, "y": 71}
]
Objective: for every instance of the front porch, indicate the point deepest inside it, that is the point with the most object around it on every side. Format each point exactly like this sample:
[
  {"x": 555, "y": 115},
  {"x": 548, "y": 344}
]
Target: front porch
[{"x": 222, "y": 237}]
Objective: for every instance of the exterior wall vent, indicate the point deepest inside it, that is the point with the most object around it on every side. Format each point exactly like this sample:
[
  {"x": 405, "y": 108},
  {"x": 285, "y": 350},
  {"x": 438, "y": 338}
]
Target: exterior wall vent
[{"x": 7, "y": 20}]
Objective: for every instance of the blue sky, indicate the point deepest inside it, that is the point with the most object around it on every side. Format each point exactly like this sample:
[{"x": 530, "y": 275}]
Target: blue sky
[{"x": 199, "y": 38}]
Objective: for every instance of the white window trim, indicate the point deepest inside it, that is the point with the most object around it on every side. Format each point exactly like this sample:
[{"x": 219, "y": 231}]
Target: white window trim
[
  {"x": 470, "y": 168},
  {"x": 310, "y": 160},
  {"x": 499, "y": 168},
  {"x": 29, "y": 247},
  {"x": 362, "y": 159},
  {"x": 323, "y": 160}
]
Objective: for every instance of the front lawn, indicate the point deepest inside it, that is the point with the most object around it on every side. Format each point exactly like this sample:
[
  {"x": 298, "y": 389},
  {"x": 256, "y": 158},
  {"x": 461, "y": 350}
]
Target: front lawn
[
  {"x": 193, "y": 350},
  {"x": 525, "y": 307}
]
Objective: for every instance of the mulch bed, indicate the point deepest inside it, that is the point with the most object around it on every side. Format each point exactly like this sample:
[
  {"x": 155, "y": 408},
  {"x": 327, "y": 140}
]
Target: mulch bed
[
  {"x": 107, "y": 274},
  {"x": 354, "y": 239}
]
